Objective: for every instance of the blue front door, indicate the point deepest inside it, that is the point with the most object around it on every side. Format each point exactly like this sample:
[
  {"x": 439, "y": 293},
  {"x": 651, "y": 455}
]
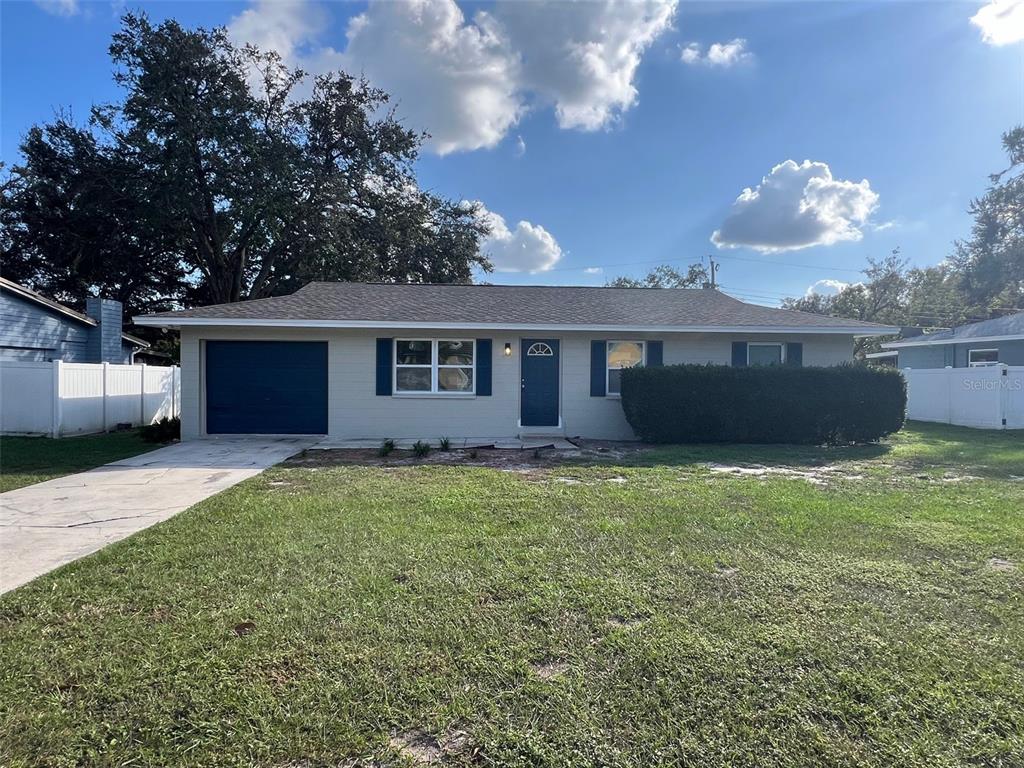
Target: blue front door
[{"x": 539, "y": 363}]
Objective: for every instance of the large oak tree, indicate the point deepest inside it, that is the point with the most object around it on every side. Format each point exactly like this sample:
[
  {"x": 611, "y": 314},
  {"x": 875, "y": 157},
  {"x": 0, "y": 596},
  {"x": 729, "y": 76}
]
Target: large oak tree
[{"x": 223, "y": 175}]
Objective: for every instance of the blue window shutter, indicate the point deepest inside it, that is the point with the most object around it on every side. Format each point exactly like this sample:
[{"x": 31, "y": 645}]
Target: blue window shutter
[
  {"x": 795, "y": 353},
  {"x": 483, "y": 367},
  {"x": 598, "y": 370},
  {"x": 655, "y": 354},
  {"x": 384, "y": 367},
  {"x": 739, "y": 354}
]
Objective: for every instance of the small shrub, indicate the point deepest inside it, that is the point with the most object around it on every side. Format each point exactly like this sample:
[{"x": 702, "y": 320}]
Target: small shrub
[
  {"x": 770, "y": 404},
  {"x": 386, "y": 447},
  {"x": 445, "y": 443},
  {"x": 163, "y": 431},
  {"x": 473, "y": 453},
  {"x": 420, "y": 448}
]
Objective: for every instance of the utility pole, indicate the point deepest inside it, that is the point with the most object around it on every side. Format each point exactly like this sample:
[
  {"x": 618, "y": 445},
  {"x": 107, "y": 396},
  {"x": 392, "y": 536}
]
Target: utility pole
[{"x": 714, "y": 270}]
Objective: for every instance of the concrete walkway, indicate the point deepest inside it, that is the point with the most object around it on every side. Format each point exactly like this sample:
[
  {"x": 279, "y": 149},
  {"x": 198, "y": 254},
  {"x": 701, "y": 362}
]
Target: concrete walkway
[{"x": 46, "y": 525}]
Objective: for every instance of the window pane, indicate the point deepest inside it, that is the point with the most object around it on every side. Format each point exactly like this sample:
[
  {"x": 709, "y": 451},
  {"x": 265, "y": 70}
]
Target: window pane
[
  {"x": 455, "y": 379},
  {"x": 455, "y": 352},
  {"x": 625, "y": 354},
  {"x": 988, "y": 356},
  {"x": 412, "y": 379},
  {"x": 614, "y": 381},
  {"x": 766, "y": 354},
  {"x": 413, "y": 353}
]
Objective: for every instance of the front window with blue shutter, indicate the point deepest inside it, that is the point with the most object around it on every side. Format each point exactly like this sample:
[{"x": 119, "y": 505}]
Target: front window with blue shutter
[{"x": 622, "y": 355}]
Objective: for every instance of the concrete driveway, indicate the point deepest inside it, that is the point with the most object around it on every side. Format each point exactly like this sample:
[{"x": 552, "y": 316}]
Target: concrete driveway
[{"x": 46, "y": 525}]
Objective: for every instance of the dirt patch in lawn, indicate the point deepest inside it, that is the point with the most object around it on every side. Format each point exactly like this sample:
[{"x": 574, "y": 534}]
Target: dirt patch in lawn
[
  {"x": 550, "y": 669},
  {"x": 1000, "y": 564},
  {"x": 813, "y": 475},
  {"x": 423, "y": 749}
]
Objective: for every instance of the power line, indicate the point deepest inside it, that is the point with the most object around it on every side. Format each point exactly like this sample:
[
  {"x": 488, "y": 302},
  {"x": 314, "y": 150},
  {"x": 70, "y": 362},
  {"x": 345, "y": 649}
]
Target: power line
[{"x": 772, "y": 263}]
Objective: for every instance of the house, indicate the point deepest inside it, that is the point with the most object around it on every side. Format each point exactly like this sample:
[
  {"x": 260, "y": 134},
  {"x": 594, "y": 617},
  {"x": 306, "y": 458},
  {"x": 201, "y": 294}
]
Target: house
[
  {"x": 968, "y": 346},
  {"x": 35, "y": 328},
  {"x": 357, "y": 360}
]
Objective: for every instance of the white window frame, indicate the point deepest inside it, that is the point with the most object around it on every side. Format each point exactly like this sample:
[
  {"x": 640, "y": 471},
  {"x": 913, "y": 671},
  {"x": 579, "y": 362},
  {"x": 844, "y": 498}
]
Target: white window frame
[
  {"x": 982, "y": 363},
  {"x": 608, "y": 369},
  {"x": 780, "y": 344},
  {"x": 434, "y": 367}
]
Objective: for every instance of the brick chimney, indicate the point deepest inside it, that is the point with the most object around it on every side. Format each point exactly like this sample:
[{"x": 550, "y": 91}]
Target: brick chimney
[{"x": 104, "y": 342}]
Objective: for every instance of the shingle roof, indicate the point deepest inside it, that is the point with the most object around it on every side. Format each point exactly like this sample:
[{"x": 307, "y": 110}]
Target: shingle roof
[
  {"x": 506, "y": 305},
  {"x": 1011, "y": 325}
]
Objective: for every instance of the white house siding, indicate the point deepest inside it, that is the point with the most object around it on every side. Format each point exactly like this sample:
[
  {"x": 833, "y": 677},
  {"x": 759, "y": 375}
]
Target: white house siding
[{"x": 355, "y": 411}]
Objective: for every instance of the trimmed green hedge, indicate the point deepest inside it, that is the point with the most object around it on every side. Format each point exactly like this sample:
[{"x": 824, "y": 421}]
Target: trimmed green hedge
[{"x": 763, "y": 404}]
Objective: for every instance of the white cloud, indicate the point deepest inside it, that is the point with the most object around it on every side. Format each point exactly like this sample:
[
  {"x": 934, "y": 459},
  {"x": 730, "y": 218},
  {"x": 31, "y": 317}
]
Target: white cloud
[
  {"x": 691, "y": 54},
  {"x": 826, "y": 286},
  {"x": 527, "y": 248},
  {"x": 454, "y": 78},
  {"x": 468, "y": 81},
  {"x": 797, "y": 206},
  {"x": 279, "y": 25},
  {"x": 1001, "y": 22},
  {"x": 583, "y": 57},
  {"x": 722, "y": 55},
  {"x": 520, "y": 146},
  {"x": 593, "y": 270},
  {"x": 60, "y": 7}
]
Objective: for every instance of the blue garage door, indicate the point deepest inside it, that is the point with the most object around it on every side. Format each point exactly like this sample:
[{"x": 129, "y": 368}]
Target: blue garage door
[{"x": 266, "y": 387}]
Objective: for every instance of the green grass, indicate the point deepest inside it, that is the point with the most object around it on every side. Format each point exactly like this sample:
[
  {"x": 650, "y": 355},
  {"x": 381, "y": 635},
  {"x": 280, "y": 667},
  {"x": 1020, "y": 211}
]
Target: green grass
[
  {"x": 692, "y": 618},
  {"x": 28, "y": 460}
]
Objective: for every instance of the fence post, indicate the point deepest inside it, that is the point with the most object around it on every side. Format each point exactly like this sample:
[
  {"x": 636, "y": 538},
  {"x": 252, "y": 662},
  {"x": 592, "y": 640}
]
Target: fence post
[
  {"x": 1004, "y": 394},
  {"x": 949, "y": 393},
  {"x": 174, "y": 391},
  {"x": 58, "y": 408},
  {"x": 142, "y": 395},
  {"x": 106, "y": 421}
]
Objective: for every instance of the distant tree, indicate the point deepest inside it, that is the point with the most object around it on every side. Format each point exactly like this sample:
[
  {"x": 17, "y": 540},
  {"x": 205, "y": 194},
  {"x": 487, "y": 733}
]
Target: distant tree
[
  {"x": 880, "y": 298},
  {"x": 203, "y": 186},
  {"x": 664, "y": 276},
  {"x": 991, "y": 261}
]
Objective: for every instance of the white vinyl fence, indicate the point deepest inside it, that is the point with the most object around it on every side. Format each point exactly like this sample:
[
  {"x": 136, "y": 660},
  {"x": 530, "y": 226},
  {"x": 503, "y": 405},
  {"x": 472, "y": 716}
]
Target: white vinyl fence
[
  {"x": 991, "y": 397},
  {"x": 60, "y": 398}
]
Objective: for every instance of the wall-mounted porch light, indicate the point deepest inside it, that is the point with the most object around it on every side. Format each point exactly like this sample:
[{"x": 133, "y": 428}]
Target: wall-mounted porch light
[{"x": 508, "y": 349}]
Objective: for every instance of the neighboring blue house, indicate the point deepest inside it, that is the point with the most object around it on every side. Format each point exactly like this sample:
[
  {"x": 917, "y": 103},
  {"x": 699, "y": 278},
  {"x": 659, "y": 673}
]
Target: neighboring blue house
[
  {"x": 986, "y": 343},
  {"x": 33, "y": 327}
]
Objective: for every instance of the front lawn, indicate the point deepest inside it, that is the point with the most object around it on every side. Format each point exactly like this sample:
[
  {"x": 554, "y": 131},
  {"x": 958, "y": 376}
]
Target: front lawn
[
  {"x": 29, "y": 460},
  {"x": 833, "y": 607}
]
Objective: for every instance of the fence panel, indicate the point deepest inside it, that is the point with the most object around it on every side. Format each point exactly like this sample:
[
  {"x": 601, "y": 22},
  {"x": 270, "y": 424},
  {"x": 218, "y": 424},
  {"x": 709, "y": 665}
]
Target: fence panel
[
  {"x": 81, "y": 398},
  {"x": 989, "y": 397},
  {"x": 1013, "y": 398},
  {"x": 26, "y": 398},
  {"x": 124, "y": 395},
  {"x": 81, "y": 394}
]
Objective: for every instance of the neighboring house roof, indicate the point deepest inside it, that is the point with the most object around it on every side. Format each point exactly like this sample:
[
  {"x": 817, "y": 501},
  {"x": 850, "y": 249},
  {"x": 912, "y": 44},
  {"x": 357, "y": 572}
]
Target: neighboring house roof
[
  {"x": 29, "y": 295},
  {"x": 390, "y": 305},
  {"x": 1008, "y": 328},
  {"x": 880, "y": 355}
]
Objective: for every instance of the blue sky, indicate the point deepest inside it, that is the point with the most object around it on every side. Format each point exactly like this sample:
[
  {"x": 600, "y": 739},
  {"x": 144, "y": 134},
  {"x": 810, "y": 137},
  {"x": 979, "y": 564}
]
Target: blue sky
[{"x": 604, "y": 139}]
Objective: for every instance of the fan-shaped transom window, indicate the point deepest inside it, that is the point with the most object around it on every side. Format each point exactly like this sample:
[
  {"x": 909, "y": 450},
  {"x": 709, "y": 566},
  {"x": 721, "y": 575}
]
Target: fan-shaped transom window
[{"x": 540, "y": 349}]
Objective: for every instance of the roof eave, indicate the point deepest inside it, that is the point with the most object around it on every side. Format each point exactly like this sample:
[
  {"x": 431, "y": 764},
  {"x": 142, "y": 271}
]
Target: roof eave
[
  {"x": 192, "y": 322},
  {"x": 134, "y": 340},
  {"x": 954, "y": 340},
  {"x": 30, "y": 295}
]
